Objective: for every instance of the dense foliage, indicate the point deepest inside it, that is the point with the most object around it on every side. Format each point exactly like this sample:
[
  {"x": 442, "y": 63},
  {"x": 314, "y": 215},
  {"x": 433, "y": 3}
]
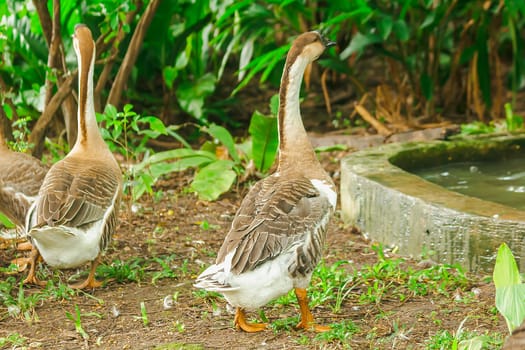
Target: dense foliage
[{"x": 186, "y": 62}]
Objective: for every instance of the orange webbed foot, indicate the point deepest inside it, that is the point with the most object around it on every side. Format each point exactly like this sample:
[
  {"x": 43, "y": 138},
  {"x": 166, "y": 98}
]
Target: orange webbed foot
[
  {"x": 307, "y": 320},
  {"x": 241, "y": 323},
  {"x": 90, "y": 282}
]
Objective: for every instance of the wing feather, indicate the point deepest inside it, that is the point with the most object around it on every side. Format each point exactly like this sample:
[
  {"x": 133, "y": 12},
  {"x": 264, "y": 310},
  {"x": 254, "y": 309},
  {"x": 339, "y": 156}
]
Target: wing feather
[
  {"x": 75, "y": 194},
  {"x": 276, "y": 216}
]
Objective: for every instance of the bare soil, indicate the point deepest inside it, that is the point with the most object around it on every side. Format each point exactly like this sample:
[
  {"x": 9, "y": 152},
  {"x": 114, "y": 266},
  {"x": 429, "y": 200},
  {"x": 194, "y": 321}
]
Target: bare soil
[{"x": 191, "y": 232}]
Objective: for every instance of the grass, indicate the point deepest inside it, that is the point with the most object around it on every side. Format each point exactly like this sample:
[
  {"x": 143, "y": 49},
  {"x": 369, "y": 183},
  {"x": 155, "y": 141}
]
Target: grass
[
  {"x": 76, "y": 318},
  {"x": 13, "y": 340},
  {"x": 359, "y": 291}
]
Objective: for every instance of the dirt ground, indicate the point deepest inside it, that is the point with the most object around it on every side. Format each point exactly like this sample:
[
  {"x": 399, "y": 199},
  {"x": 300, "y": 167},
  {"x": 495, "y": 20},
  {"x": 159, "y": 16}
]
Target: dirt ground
[{"x": 190, "y": 232}]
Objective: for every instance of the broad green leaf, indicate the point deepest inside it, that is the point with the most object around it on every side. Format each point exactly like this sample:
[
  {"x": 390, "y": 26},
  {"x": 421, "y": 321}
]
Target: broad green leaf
[
  {"x": 213, "y": 180},
  {"x": 506, "y": 271},
  {"x": 265, "y": 140},
  {"x": 510, "y": 302},
  {"x": 179, "y": 153},
  {"x": 358, "y": 43},
  {"x": 163, "y": 168},
  {"x": 510, "y": 292},
  {"x": 224, "y": 137}
]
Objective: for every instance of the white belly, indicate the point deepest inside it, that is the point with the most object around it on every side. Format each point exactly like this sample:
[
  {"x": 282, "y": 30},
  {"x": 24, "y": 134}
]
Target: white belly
[
  {"x": 267, "y": 282},
  {"x": 65, "y": 247}
]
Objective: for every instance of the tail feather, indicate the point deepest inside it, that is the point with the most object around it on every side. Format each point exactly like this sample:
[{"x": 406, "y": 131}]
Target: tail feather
[{"x": 213, "y": 280}]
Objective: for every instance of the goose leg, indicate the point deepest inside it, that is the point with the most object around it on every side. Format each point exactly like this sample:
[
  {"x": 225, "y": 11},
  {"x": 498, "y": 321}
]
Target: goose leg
[
  {"x": 307, "y": 320},
  {"x": 24, "y": 246},
  {"x": 90, "y": 281},
  {"x": 22, "y": 262},
  {"x": 241, "y": 323},
  {"x": 31, "y": 276}
]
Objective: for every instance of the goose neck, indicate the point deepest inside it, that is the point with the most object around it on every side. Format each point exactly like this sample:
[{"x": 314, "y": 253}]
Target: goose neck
[
  {"x": 293, "y": 140},
  {"x": 88, "y": 133}
]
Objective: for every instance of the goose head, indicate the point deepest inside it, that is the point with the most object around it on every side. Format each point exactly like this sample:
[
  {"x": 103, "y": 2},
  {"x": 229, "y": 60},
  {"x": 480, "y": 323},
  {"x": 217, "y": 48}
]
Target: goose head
[
  {"x": 310, "y": 45},
  {"x": 84, "y": 47}
]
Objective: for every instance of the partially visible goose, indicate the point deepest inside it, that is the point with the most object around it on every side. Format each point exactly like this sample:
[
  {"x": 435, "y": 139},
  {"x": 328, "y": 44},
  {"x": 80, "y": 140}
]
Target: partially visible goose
[
  {"x": 20, "y": 179},
  {"x": 76, "y": 211},
  {"x": 278, "y": 233}
]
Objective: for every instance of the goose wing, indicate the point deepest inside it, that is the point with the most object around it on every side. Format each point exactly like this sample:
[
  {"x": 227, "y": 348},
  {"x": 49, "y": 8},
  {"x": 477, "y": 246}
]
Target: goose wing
[
  {"x": 77, "y": 193},
  {"x": 277, "y": 215}
]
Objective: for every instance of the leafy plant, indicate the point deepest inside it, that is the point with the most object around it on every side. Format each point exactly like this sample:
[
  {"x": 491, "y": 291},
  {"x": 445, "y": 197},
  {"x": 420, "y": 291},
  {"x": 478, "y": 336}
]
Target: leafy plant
[
  {"x": 122, "y": 271},
  {"x": 265, "y": 138},
  {"x": 513, "y": 121},
  {"x": 76, "y": 318},
  {"x": 510, "y": 291},
  {"x": 144, "y": 314},
  {"x": 214, "y": 175},
  {"x": 15, "y": 340}
]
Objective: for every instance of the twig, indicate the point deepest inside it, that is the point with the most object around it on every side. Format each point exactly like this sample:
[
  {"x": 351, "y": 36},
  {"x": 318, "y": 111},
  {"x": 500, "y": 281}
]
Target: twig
[
  {"x": 325, "y": 92},
  {"x": 131, "y": 54},
  {"x": 381, "y": 129},
  {"x": 41, "y": 124},
  {"x": 45, "y": 19},
  {"x": 109, "y": 61}
]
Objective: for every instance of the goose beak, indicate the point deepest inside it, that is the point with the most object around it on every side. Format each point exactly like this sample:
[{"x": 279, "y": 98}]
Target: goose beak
[
  {"x": 329, "y": 43},
  {"x": 326, "y": 42}
]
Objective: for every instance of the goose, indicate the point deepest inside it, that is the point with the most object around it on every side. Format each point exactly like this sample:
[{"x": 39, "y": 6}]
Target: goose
[
  {"x": 21, "y": 176},
  {"x": 76, "y": 211},
  {"x": 277, "y": 235}
]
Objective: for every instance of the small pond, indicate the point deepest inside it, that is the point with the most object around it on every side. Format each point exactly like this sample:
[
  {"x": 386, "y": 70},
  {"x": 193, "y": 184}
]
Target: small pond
[
  {"x": 400, "y": 195},
  {"x": 501, "y": 181}
]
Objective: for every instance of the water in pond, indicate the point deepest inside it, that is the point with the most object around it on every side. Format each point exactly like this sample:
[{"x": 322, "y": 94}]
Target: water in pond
[{"x": 500, "y": 181}]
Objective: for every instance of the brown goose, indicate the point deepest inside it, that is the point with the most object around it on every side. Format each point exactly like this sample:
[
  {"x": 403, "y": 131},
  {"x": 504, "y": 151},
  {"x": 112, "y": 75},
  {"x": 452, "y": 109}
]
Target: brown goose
[
  {"x": 76, "y": 211},
  {"x": 278, "y": 233},
  {"x": 20, "y": 179}
]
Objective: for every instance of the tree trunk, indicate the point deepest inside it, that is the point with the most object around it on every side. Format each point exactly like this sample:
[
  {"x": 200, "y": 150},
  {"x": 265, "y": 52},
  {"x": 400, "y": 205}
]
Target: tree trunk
[{"x": 131, "y": 54}]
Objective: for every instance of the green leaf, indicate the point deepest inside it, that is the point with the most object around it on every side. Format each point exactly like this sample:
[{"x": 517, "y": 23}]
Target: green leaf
[
  {"x": 145, "y": 184},
  {"x": 224, "y": 137},
  {"x": 191, "y": 94},
  {"x": 5, "y": 221},
  {"x": 155, "y": 124},
  {"x": 358, "y": 43},
  {"x": 169, "y": 74},
  {"x": 213, "y": 180},
  {"x": 506, "y": 271},
  {"x": 384, "y": 26},
  {"x": 274, "y": 104},
  {"x": 510, "y": 302},
  {"x": 265, "y": 140},
  {"x": 163, "y": 168},
  {"x": 401, "y": 30},
  {"x": 429, "y": 20},
  {"x": 510, "y": 292}
]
